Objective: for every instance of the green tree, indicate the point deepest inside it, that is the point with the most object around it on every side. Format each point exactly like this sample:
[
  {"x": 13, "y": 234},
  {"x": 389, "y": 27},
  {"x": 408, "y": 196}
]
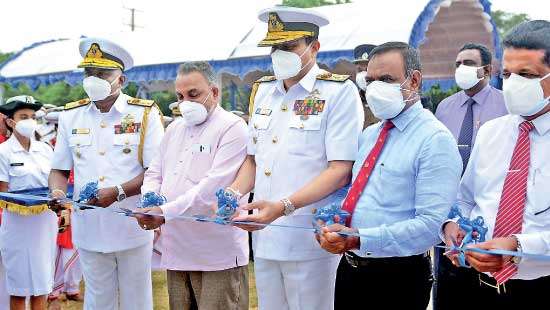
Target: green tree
[
  {"x": 312, "y": 3},
  {"x": 505, "y": 21},
  {"x": 4, "y": 57}
]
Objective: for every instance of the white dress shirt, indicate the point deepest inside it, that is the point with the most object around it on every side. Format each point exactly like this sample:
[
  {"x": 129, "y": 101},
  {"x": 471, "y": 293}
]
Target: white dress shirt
[
  {"x": 87, "y": 141},
  {"x": 290, "y": 152},
  {"x": 481, "y": 187}
]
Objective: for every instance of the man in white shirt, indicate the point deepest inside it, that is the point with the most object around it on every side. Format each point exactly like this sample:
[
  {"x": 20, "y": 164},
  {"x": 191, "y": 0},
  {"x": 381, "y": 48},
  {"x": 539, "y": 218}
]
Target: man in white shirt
[
  {"x": 508, "y": 177},
  {"x": 109, "y": 138},
  {"x": 304, "y": 131}
]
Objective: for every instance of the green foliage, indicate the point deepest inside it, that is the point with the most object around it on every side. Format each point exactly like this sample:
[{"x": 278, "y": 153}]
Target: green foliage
[
  {"x": 312, "y": 3},
  {"x": 163, "y": 99},
  {"x": 506, "y": 21},
  {"x": 436, "y": 94},
  {"x": 4, "y": 57},
  {"x": 59, "y": 93}
]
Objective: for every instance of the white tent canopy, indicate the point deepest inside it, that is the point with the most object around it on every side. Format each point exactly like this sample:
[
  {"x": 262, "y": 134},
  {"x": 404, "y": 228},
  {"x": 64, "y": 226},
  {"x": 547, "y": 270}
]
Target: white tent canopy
[{"x": 351, "y": 24}]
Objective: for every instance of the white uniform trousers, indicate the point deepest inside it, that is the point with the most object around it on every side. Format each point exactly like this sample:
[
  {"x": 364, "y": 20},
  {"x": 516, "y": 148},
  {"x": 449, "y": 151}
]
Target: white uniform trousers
[
  {"x": 4, "y": 296},
  {"x": 119, "y": 280},
  {"x": 296, "y": 285}
]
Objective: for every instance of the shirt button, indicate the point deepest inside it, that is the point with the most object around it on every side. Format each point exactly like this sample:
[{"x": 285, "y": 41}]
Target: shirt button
[
  {"x": 275, "y": 139},
  {"x": 101, "y": 178},
  {"x": 267, "y": 172},
  {"x": 102, "y": 124},
  {"x": 102, "y": 153}
]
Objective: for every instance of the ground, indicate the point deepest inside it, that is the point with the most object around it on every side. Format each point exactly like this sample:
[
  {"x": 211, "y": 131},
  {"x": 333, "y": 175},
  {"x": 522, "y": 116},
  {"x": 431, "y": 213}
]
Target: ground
[{"x": 160, "y": 294}]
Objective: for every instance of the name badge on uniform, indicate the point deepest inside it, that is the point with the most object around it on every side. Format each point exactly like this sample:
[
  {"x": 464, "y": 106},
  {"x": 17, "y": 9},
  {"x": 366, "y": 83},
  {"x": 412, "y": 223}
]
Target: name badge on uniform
[
  {"x": 127, "y": 125},
  {"x": 263, "y": 111},
  {"x": 81, "y": 131},
  {"x": 201, "y": 148},
  {"x": 17, "y": 164},
  {"x": 311, "y": 105}
]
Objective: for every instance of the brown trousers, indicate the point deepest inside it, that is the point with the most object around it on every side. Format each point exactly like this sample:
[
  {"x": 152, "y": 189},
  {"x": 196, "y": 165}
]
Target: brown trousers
[{"x": 208, "y": 290}]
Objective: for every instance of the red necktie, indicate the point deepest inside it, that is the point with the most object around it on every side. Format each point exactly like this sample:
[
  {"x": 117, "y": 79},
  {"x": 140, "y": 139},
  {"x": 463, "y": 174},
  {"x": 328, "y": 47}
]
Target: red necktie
[
  {"x": 363, "y": 176},
  {"x": 514, "y": 193}
]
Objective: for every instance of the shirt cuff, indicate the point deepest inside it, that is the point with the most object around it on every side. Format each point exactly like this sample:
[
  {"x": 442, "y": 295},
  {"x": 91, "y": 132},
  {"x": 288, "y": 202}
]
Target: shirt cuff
[
  {"x": 341, "y": 151},
  {"x": 371, "y": 241},
  {"x": 531, "y": 243},
  {"x": 441, "y": 232}
]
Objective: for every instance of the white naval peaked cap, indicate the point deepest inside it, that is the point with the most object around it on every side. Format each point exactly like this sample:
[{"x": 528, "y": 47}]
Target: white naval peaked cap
[{"x": 105, "y": 54}]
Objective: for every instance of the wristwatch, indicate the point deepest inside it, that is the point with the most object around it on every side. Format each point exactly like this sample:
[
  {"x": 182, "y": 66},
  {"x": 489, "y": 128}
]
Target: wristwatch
[
  {"x": 289, "y": 207},
  {"x": 121, "y": 194},
  {"x": 517, "y": 259}
]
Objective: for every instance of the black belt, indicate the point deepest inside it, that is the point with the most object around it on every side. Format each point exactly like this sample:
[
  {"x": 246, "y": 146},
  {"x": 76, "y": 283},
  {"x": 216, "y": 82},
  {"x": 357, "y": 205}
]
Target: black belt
[{"x": 357, "y": 261}]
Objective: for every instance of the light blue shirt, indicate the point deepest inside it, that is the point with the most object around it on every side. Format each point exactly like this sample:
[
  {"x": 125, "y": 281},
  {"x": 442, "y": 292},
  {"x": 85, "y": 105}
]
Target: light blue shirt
[{"x": 412, "y": 187}]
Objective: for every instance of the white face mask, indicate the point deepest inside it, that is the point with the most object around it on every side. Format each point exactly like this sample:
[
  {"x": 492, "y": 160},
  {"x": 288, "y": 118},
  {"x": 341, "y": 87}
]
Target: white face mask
[
  {"x": 360, "y": 80},
  {"x": 466, "y": 76},
  {"x": 286, "y": 64},
  {"x": 385, "y": 99},
  {"x": 523, "y": 96},
  {"x": 193, "y": 113},
  {"x": 26, "y": 127},
  {"x": 96, "y": 88}
]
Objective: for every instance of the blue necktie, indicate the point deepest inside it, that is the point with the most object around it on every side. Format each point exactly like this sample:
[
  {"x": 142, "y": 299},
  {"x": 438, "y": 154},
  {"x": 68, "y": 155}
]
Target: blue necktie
[{"x": 466, "y": 134}]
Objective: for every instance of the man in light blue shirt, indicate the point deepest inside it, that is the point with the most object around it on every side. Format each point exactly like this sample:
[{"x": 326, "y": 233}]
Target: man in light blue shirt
[{"x": 412, "y": 167}]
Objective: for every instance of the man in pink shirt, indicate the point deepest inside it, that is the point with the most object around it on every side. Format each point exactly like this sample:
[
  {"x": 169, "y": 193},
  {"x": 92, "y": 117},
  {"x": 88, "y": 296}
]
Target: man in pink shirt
[{"x": 206, "y": 263}]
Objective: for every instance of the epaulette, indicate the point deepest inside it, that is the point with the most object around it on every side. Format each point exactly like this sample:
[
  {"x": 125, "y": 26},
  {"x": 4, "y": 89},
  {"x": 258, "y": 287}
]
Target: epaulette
[
  {"x": 329, "y": 76},
  {"x": 255, "y": 86},
  {"x": 141, "y": 102},
  {"x": 76, "y": 104},
  {"x": 267, "y": 78}
]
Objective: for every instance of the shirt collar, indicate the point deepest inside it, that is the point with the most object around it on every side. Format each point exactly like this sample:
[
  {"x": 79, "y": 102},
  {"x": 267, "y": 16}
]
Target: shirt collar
[
  {"x": 402, "y": 120},
  {"x": 480, "y": 97},
  {"x": 542, "y": 123},
  {"x": 119, "y": 104},
  {"x": 307, "y": 82},
  {"x": 16, "y": 147}
]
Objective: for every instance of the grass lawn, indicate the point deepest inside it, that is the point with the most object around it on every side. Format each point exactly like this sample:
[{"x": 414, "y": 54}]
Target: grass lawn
[{"x": 160, "y": 293}]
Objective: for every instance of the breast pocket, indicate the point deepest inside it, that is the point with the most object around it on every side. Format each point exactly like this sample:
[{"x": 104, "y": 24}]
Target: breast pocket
[
  {"x": 260, "y": 123},
  {"x": 396, "y": 186},
  {"x": 126, "y": 144},
  {"x": 539, "y": 192},
  {"x": 198, "y": 167},
  {"x": 80, "y": 145},
  {"x": 304, "y": 136}
]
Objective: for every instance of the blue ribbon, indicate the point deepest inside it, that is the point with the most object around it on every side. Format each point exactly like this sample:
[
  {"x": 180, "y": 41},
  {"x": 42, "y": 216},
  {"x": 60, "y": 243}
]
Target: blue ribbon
[
  {"x": 463, "y": 249},
  {"x": 470, "y": 227},
  {"x": 151, "y": 199}
]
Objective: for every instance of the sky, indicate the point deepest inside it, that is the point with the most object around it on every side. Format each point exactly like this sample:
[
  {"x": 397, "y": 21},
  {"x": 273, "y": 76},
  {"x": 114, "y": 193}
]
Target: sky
[{"x": 24, "y": 22}]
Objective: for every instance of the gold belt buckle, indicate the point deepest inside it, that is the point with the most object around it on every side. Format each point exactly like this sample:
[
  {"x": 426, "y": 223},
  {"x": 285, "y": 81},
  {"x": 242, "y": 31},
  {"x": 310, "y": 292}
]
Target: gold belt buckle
[{"x": 497, "y": 287}]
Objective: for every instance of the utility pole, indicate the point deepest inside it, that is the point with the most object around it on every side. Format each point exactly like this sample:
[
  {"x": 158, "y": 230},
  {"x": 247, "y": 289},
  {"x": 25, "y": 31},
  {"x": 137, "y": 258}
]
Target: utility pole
[{"x": 132, "y": 23}]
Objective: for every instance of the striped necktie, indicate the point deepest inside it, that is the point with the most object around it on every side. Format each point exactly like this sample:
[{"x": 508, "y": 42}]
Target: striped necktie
[
  {"x": 466, "y": 134},
  {"x": 514, "y": 193}
]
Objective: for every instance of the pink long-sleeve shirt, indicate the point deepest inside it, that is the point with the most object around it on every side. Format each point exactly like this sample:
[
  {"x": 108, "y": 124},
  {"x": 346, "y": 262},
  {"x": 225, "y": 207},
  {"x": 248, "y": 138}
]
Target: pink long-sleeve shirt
[{"x": 192, "y": 164}]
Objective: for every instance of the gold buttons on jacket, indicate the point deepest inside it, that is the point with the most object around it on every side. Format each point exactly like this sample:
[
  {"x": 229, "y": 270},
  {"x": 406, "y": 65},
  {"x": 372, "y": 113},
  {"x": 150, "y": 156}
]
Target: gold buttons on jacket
[
  {"x": 284, "y": 107},
  {"x": 102, "y": 124},
  {"x": 275, "y": 139},
  {"x": 267, "y": 172},
  {"x": 101, "y": 178}
]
